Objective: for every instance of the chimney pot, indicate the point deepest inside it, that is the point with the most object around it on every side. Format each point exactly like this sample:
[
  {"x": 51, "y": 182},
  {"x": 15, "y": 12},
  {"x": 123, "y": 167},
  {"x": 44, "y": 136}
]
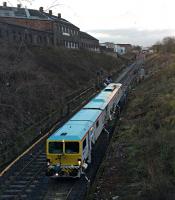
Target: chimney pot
[
  {"x": 50, "y": 12},
  {"x": 59, "y": 15},
  {"x": 5, "y": 4},
  {"x": 41, "y": 9},
  {"x": 19, "y": 5}
]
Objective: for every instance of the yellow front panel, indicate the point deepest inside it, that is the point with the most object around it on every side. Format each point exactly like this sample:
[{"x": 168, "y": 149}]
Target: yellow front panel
[{"x": 64, "y": 159}]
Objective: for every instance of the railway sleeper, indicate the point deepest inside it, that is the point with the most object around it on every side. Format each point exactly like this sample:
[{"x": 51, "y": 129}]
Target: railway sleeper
[
  {"x": 12, "y": 191},
  {"x": 8, "y": 196},
  {"x": 14, "y": 186},
  {"x": 26, "y": 178},
  {"x": 33, "y": 186},
  {"x": 28, "y": 190},
  {"x": 21, "y": 182}
]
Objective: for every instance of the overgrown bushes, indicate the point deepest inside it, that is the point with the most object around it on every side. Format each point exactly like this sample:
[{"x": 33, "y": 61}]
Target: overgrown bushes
[{"x": 140, "y": 163}]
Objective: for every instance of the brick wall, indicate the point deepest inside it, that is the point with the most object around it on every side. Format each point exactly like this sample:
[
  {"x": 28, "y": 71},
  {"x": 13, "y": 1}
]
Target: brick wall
[
  {"x": 43, "y": 25},
  {"x": 35, "y": 32},
  {"x": 89, "y": 44},
  {"x": 18, "y": 34}
]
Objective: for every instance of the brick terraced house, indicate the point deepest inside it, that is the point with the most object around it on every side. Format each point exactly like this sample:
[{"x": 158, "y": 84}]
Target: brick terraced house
[{"x": 36, "y": 27}]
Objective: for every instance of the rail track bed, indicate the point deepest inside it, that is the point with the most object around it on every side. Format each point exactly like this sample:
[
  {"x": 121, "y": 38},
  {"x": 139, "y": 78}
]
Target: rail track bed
[
  {"x": 24, "y": 178},
  {"x": 59, "y": 189}
]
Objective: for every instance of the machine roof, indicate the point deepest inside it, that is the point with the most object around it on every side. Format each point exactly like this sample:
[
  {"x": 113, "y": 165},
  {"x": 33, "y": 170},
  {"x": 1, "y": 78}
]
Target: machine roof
[
  {"x": 98, "y": 102},
  {"x": 86, "y": 115},
  {"x": 112, "y": 86},
  {"x": 71, "y": 131},
  {"x": 102, "y": 99},
  {"x": 76, "y": 128}
]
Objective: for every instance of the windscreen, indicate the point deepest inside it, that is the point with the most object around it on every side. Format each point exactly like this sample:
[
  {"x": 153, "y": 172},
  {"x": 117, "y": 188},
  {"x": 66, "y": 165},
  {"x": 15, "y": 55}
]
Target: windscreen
[
  {"x": 108, "y": 90},
  {"x": 72, "y": 147},
  {"x": 56, "y": 147}
]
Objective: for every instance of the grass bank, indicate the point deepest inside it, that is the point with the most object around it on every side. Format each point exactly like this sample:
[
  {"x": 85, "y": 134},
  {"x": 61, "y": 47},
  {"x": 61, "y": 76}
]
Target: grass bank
[{"x": 140, "y": 163}]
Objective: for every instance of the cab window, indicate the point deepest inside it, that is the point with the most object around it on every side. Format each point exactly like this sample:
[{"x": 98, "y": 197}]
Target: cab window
[
  {"x": 72, "y": 147},
  {"x": 56, "y": 147}
]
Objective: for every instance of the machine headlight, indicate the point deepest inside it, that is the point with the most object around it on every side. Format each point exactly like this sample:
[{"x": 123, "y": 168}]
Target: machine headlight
[
  {"x": 48, "y": 162},
  {"x": 79, "y": 162},
  {"x": 56, "y": 174}
]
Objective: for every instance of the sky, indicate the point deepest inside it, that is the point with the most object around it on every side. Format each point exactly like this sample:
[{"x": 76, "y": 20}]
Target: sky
[{"x": 139, "y": 22}]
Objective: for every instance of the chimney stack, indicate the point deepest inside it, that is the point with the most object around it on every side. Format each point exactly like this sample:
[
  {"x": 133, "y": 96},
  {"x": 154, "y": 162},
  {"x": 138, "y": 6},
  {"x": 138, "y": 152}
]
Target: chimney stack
[
  {"x": 18, "y": 5},
  {"x": 5, "y": 4},
  {"x": 59, "y": 15},
  {"x": 50, "y": 12},
  {"x": 41, "y": 9}
]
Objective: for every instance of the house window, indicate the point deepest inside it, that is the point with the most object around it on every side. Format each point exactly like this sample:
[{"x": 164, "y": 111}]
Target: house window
[
  {"x": 26, "y": 36},
  {"x": 19, "y": 36},
  {"x": 52, "y": 40},
  {"x": 30, "y": 38},
  {"x": 7, "y": 33},
  {"x": 39, "y": 39}
]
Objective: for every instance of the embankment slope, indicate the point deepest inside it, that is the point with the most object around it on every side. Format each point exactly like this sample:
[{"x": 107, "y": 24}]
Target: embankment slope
[{"x": 140, "y": 162}]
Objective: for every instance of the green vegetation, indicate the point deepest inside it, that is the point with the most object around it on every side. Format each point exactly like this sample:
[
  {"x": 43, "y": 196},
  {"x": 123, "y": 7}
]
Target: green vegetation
[{"x": 140, "y": 163}]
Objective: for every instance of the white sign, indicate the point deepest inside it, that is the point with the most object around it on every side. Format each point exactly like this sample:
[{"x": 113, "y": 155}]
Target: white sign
[{"x": 66, "y": 34}]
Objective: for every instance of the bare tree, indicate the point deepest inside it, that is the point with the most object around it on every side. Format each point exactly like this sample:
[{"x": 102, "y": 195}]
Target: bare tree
[{"x": 166, "y": 46}]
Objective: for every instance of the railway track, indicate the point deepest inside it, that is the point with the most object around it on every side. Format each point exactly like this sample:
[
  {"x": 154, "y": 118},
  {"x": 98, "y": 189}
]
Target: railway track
[
  {"x": 60, "y": 189},
  {"x": 26, "y": 178}
]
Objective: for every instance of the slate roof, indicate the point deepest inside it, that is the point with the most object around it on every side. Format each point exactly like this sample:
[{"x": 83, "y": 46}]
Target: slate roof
[
  {"x": 84, "y": 35},
  {"x": 22, "y": 13}
]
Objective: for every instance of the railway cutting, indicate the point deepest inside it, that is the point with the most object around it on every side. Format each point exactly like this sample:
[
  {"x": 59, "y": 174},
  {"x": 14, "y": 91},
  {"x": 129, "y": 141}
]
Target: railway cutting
[{"x": 27, "y": 180}]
